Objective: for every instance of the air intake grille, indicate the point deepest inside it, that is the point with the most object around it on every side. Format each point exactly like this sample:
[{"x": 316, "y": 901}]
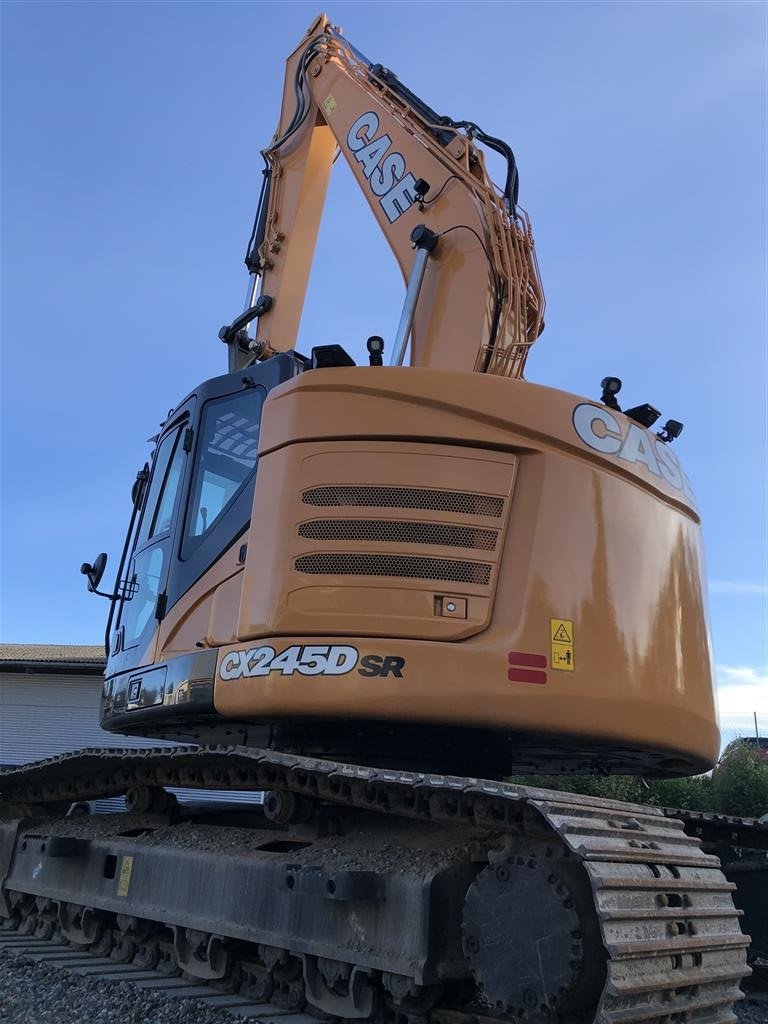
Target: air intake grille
[
  {"x": 394, "y": 565},
  {"x": 397, "y": 532},
  {"x": 405, "y": 497}
]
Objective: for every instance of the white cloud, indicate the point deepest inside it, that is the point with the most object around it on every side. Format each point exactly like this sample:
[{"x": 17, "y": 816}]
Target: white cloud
[
  {"x": 742, "y": 693},
  {"x": 742, "y": 700},
  {"x": 738, "y": 589},
  {"x": 746, "y": 675}
]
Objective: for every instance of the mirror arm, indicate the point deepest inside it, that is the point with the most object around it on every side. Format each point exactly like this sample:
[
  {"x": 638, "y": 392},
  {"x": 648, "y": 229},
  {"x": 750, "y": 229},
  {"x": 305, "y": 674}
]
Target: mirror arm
[{"x": 88, "y": 571}]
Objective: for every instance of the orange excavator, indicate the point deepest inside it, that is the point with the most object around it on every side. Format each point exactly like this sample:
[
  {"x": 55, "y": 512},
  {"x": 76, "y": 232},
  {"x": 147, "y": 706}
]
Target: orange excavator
[{"x": 340, "y": 580}]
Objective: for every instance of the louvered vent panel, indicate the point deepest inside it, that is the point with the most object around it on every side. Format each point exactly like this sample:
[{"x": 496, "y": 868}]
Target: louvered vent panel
[
  {"x": 366, "y": 496},
  {"x": 402, "y": 566},
  {"x": 400, "y": 532}
]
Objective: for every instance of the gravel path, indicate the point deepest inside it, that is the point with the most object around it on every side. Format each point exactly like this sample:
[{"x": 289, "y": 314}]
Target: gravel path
[
  {"x": 753, "y": 1011},
  {"x": 32, "y": 993}
]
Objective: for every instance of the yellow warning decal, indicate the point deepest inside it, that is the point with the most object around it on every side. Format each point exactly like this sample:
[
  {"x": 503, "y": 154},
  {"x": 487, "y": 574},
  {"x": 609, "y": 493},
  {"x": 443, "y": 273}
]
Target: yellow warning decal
[
  {"x": 329, "y": 104},
  {"x": 561, "y": 644},
  {"x": 126, "y": 866}
]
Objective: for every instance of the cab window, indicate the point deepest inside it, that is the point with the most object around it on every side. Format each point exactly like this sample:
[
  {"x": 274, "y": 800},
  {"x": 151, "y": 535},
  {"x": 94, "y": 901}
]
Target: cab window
[
  {"x": 143, "y": 591},
  {"x": 148, "y": 565},
  {"x": 164, "y": 515},
  {"x": 226, "y": 460},
  {"x": 166, "y": 477}
]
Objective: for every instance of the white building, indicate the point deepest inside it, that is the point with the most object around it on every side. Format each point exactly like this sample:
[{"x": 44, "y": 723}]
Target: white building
[{"x": 49, "y": 703}]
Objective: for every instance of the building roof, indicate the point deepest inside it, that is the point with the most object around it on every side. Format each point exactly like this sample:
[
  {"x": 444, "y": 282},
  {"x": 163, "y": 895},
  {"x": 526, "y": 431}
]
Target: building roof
[{"x": 52, "y": 657}]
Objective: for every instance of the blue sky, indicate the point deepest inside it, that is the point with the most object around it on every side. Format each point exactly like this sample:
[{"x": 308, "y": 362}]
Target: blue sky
[{"x": 130, "y": 171}]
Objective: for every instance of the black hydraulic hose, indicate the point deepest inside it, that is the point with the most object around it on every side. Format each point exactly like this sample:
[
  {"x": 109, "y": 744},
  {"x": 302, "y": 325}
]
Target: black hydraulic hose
[
  {"x": 512, "y": 183},
  {"x": 432, "y": 118},
  {"x": 499, "y": 299},
  {"x": 302, "y": 104},
  {"x": 498, "y": 291},
  {"x": 258, "y": 231},
  {"x": 252, "y": 260}
]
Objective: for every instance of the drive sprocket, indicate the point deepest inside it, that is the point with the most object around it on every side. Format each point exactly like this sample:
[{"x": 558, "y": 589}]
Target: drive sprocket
[{"x": 531, "y": 935}]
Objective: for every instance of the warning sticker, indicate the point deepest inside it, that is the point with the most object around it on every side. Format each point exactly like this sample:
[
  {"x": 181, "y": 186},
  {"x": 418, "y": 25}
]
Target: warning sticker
[
  {"x": 561, "y": 644},
  {"x": 126, "y": 866},
  {"x": 329, "y": 104}
]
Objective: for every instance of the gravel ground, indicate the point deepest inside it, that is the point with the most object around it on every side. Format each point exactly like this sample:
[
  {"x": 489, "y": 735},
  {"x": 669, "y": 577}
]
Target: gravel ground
[
  {"x": 753, "y": 1011},
  {"x": 32, "y": 993}
]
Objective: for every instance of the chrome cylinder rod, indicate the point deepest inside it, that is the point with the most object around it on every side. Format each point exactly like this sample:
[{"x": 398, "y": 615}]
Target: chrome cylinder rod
[
  {"x": 424, "y": 242},
  {"x": 251, "y": 290}
]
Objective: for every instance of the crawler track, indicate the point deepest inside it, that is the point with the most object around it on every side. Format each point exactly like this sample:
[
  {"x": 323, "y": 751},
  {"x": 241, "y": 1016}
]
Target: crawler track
[
  {"x": 666, "y": 945},
  {"x": 56, "y": 952},
  {"x": 723, "y": 829}
]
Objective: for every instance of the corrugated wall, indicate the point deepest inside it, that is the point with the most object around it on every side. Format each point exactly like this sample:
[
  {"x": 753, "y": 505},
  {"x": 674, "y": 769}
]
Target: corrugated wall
[{"x": 42, "y": 715}]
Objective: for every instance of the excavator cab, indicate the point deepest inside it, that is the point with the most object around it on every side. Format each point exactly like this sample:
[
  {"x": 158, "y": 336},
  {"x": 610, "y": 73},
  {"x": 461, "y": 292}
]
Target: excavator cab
[{"x": 194, "y": 503}]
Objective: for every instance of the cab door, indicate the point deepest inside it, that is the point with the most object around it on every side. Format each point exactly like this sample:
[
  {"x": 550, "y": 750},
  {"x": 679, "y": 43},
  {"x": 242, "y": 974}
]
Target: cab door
[
  {"x": 219, "y": 499},
  {"x": 199, "y": 501},
  {"x": 144, "y": 587}
]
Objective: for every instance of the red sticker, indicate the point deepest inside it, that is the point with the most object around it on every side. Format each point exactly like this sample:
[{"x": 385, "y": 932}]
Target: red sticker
[{"x": 523, "y": 666}]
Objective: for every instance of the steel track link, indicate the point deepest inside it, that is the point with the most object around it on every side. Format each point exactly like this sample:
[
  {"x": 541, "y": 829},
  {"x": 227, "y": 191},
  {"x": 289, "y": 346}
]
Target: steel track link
[
  {"x": 723, "y": 828},
  {"x": 62, "y": 956},
  {"x": 667, "y": 920}
]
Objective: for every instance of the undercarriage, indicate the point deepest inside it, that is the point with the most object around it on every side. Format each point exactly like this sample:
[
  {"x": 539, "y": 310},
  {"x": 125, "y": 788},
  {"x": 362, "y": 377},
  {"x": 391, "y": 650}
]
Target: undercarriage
[{"x": 367, "y": 894}]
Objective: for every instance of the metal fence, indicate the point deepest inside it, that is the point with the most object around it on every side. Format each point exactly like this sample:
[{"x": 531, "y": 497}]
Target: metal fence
[{"x": 752, "y": 724}]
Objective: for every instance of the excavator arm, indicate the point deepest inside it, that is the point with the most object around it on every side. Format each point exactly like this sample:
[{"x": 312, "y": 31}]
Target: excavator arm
[{"x": 480, "y": 304}]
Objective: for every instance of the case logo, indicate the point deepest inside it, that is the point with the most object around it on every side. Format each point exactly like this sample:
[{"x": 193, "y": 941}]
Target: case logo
[
  {"x": 385, "y": 171},
  {"x": 601, "y": 430}
]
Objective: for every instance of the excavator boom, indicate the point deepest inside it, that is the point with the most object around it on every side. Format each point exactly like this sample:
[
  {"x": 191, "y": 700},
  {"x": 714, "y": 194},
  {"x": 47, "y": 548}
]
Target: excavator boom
[{"x": 481, "y": 304}]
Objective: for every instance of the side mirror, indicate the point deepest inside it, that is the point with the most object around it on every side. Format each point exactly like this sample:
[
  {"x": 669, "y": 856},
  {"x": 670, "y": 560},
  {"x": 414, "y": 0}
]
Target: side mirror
[
  {"x": 94, "y": 572},
  {"x": 137, "y": 491}
]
